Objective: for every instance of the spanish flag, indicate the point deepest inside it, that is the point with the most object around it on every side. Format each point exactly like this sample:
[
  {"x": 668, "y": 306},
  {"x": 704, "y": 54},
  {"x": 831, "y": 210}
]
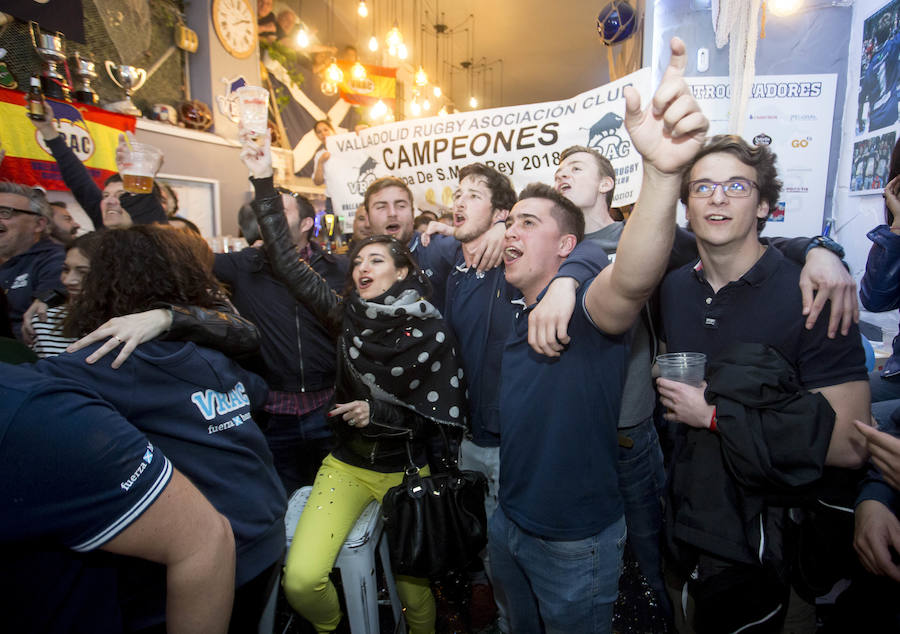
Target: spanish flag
[
  {"x": 92, "y": 133},
  {"x": 380, "y": 84}
]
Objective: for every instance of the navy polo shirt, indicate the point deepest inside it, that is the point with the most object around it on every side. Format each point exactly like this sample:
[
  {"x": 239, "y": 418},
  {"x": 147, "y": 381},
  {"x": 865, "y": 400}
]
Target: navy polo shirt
[
  {"x": 763, "y": 306},
  {"x": 436, "y": 261},
  {"x": 74, "y": 474},
  {"x": 558, "y": 419},
  {"x": 480, "y": 313}
]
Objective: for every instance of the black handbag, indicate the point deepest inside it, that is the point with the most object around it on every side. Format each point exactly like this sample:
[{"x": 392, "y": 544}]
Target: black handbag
[{"x": 435, "y": 523}]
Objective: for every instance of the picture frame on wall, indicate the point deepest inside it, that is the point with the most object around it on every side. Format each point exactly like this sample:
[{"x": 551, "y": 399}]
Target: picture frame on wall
[
  {"x": 870, "y": 164},
  {"x": 878, "y": 105}
]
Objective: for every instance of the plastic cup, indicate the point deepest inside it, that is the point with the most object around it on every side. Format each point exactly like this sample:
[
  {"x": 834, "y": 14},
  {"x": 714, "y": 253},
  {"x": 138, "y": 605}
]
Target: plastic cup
[
  {"x": 253, "y": 109},
  {"x": 684, "y": 367},
  {"x": 138, "y": 165}
]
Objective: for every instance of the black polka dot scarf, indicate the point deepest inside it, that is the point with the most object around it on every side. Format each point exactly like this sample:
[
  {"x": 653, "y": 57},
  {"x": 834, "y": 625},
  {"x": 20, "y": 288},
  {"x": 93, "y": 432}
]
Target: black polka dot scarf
[{"x": 399, "y": 346}]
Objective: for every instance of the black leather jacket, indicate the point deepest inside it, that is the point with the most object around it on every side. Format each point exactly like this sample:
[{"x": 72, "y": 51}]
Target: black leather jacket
[
  {"x": 382, "y": 444},
  {"x": 222, "y": 330}
]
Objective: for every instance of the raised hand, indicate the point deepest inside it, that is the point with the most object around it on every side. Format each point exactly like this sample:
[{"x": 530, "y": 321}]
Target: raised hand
[
  {"x": 256, "y": 154},
  {"x": 670, "y": 131}
]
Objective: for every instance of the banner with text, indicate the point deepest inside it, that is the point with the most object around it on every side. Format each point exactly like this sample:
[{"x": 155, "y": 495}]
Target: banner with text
[
  {"x": 522, "y": 142},
  {"x": 792, "y": 114}
]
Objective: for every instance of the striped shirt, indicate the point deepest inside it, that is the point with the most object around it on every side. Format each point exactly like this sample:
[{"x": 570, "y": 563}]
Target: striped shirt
[{"x": 48, "y": 337}]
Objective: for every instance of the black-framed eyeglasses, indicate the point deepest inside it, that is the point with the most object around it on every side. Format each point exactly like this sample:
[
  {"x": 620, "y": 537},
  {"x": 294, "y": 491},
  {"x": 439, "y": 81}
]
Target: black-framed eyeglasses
[
  {"x": 7, "y": 212},
  {"x": 733, "y": 188}
]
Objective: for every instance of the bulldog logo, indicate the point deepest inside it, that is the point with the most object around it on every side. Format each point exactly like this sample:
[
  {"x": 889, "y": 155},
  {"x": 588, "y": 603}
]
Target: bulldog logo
[{"x": 606, "y": 137}]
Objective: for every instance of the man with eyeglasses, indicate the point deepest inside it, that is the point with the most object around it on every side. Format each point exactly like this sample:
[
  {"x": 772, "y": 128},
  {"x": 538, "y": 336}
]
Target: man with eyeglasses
[
  {"x": 777, "y": 405},
  {"x": 30, "y": 262}
]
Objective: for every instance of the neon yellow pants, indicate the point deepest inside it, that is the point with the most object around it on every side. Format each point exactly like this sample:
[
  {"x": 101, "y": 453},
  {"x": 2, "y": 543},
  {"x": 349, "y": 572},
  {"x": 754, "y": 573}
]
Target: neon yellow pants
[{"x": 338, "y": 496}]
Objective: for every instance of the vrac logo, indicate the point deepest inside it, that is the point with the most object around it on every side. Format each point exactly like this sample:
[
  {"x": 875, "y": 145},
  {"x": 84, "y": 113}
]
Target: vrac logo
[
  {"x": 801, "y": 142},
  {"x": 73, "y": 128},
  {"x": 365, "y": 177},
  {"x": 605, "y": 137}
]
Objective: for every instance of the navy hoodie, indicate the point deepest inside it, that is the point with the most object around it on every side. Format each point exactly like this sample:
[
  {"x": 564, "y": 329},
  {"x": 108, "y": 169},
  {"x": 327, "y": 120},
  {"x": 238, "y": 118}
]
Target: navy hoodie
[{"x": 28, "y": 274}]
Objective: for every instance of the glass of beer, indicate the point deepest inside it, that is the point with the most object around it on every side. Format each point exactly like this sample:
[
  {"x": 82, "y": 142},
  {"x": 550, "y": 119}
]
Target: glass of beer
[
  {"x": 253, "y": 108},
  {"x": 138, "y": 164}
]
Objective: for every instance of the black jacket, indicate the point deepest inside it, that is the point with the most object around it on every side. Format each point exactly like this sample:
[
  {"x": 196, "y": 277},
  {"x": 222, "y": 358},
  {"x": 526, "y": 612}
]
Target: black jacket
[
  {"x": 728, "y": 489},
  {"x": 382, "y": 444},
  {"x": 221, "y": 330},
  {"x": 297, "y": 350}
]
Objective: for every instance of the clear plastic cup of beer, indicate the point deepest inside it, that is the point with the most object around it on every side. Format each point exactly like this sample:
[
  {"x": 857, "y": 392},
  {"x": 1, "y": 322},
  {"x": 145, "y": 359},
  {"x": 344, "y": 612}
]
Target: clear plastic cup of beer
[
  {"x": 138, "y": 165},
  {"x": 253, "y": 109}
]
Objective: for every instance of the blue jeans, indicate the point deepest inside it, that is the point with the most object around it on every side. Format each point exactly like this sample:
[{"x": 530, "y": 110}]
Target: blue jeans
[
  {"x": 885, "y": 396},
  {"x": 298, "y": 445},
  {"x": 642, "y": 481},
  {"x": 554, "y": 585}
]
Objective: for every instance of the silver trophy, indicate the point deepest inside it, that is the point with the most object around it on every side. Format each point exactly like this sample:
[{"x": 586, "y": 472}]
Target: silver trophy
[
  {"x": 85, "y": 70},
  {"x": 129, "y": 79},
  {"x": 50, "y": 47}
]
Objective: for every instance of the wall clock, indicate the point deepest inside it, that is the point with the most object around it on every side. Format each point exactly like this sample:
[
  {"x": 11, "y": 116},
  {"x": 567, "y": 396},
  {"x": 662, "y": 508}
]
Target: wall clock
[{"x": 235, "y": 25}]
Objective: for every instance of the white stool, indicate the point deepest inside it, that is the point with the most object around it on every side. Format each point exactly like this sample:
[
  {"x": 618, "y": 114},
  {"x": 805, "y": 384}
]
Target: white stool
[{"x": 356, "y": 561}]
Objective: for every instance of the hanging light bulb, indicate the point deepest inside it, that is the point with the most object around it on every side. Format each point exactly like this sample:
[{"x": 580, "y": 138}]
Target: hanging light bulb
[
  {"x": 358, "y": 72},
  {"x": 402, "y": 51},
  {"x": 394, "y": 39},
  {"x": 784, "y": 7},
  {"x": 426, "y": 105},
  {"x": 415, "y": 108},
  {"x": 473, "y": 102},
  {"x": 378, "y": 110},
  {"x": 333, "y": 73},
  {"x": 437, "y": 92},
  {"x": 302, "y": 37},
  {"x": 373, "y": 44},
  {"x": 362, "y": 9},
  {"x": 421, "y": 77},
  {"x": 442, "y": 112}
]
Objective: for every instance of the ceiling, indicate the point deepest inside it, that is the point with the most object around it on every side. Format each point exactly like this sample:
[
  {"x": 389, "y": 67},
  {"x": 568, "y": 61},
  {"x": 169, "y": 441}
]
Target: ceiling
[{"x": 550, "y": 50}]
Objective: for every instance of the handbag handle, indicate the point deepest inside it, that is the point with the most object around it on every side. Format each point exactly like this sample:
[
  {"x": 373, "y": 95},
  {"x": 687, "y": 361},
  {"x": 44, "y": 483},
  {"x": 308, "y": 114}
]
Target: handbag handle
[{"x": 451, "y": 462}]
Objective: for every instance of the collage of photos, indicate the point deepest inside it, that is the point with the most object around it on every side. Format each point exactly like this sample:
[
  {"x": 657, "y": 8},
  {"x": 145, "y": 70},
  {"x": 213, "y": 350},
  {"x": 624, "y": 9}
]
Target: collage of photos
[
  {"x": 879, "y": 100},
  {"x": 871, "y": 159}
]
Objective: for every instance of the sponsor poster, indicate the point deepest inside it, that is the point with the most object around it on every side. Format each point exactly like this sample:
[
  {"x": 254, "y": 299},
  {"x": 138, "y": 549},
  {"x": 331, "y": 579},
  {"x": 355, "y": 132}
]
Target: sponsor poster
[
  {"x": 92, "y": 133},
  {"x": 792, "y": 114},
  {"x": 522, "y": 142},
  {"x": 879, "y": 71}
]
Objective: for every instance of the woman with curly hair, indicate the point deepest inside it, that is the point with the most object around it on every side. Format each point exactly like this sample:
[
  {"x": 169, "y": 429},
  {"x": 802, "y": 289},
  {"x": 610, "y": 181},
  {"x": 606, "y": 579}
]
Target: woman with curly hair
[
  {"x": 398, "y": 380},
  {"x": 192, "y": 401}
]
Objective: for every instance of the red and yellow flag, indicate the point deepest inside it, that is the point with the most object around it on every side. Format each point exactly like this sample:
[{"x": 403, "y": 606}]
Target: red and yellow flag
[
  {"x": 91, "y": 132},
  {"x": 380, "y": 84}
]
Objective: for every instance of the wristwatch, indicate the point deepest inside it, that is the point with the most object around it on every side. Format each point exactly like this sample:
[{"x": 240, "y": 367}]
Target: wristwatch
[{"x": 826, "y": 243}]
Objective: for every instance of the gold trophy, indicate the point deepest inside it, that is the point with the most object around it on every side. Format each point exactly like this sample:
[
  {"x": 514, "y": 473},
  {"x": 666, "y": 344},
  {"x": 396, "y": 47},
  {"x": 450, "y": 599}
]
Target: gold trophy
[
  {"x": 129, "y": 79},
  {"x": 50, "y": 47}
]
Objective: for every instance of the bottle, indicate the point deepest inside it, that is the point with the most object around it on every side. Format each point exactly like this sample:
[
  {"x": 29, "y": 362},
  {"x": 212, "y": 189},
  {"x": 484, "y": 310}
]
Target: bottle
[{"x": 35, "y": 101}]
